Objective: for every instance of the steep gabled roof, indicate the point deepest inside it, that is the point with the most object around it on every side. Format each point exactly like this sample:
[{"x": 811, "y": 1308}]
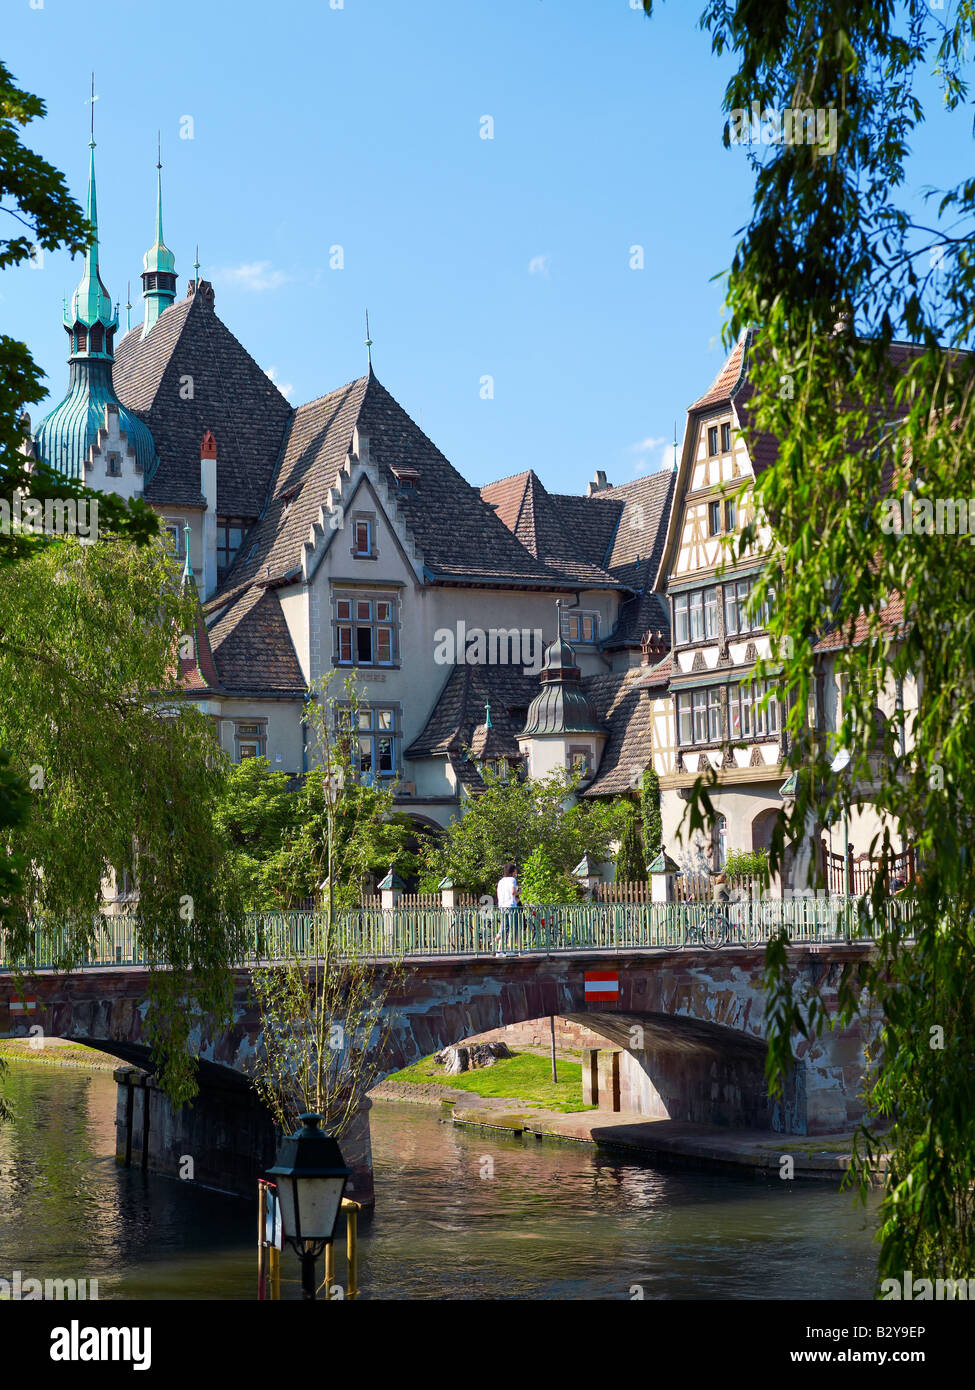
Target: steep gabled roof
[
  {"x": 729, "y": 378},
  {"x": 535, "y": 517},
  {"x": 189, "y": 375},
  {"x": 458, "y": 536}
]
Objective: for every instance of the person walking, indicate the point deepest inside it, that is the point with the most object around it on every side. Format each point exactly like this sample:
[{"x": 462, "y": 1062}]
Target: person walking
[{"x": 508, "y": 901}]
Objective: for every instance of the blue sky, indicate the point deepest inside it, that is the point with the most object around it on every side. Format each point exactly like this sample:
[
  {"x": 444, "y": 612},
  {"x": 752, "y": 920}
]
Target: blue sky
[{"x": 360, "y": 127}]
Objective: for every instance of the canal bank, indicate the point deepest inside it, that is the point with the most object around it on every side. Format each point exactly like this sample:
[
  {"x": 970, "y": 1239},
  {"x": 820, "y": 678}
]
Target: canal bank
[{"x": 765, "y": 1153}]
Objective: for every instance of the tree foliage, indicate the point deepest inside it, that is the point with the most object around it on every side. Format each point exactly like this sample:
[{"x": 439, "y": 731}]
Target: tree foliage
[
  {"x": 542, "y": 881},
  {"x": 511, "y": 818},
  {"x": 34, "y": 196},
  {"x": 653, "y": 826},
  {"x": 631, "y": 866},
  {"x": 123, "y": 774},
  {"x": 324, "y": 1028},
  {"x": 832, "y": 268}
]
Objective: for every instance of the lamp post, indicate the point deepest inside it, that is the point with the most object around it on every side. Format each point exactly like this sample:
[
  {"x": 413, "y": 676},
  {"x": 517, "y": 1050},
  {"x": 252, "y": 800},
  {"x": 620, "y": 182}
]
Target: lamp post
[
  {"x": 311, "y": 1175},
  {"x": 841, "y": 761}
]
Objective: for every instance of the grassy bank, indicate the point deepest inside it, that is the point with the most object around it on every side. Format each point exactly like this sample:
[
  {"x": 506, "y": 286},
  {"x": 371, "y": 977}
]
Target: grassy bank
[
  {"x": 523, "y": 1077},
  {"x": 56, "y": 1052}
]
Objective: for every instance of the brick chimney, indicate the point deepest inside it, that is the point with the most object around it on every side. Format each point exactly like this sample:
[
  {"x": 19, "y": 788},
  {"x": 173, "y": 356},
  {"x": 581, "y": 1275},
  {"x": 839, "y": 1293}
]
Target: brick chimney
[{"x": 208, "y": 486}]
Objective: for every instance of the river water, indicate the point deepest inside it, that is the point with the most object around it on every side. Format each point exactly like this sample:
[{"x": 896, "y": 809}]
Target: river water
[{"x": 459, "y": 1214}]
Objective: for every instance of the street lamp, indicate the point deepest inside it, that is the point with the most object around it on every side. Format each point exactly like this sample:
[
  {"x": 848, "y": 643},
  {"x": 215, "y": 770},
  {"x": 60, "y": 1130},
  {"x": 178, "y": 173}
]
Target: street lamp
[{"x": 310, "y": 1174}]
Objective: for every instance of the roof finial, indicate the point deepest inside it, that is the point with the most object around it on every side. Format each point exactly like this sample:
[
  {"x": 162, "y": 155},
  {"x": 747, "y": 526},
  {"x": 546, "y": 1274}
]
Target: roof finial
[
  {"x": 196, "y": 267},
  {"x": 368, "y": 341},
  {"x": 487, "y": 715},
  {"x": 675, "y": 446},
  {"x": 128, "y": 305},
  {"x": 91, "y": 101}
]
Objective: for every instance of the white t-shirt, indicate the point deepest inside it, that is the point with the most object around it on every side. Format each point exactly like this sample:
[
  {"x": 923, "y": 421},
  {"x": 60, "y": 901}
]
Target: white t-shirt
[{"x": 507, "y": 888}]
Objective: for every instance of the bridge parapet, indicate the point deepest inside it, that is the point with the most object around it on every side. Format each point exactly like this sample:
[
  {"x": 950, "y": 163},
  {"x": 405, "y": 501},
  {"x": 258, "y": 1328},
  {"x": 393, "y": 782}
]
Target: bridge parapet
[{"x": 485, "y": 932}]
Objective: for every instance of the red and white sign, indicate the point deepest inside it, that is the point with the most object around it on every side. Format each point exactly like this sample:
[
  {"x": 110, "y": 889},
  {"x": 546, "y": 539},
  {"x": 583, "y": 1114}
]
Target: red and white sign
[
  {"x": 26, "y": 1005},
  {"x": 602, "y": 987}
]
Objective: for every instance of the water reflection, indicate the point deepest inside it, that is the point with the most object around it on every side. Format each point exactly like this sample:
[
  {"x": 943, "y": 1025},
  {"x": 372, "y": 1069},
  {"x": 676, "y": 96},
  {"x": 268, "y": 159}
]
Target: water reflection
[{"x": 461, "y": 1214}]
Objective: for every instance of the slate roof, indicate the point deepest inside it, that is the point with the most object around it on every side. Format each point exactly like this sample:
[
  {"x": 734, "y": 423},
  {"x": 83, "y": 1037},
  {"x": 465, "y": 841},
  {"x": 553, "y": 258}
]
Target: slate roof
[
  {"x": 252, "y": 646},
  {"x": 232, "y": 396},
  {"x": 459, "y": 709},
  {"x": 535, "y": 517},
  {"x": 634, "y": 555},
  {"x": 624, "y": 705}
]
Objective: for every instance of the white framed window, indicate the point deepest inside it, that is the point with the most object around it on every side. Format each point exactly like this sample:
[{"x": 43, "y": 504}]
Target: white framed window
[
  {"x": 714, "y": 518},
  {"x": 712, "y": 440},
  {"x": 725, "y": 438},
  {"x": 696, "y": 616}
]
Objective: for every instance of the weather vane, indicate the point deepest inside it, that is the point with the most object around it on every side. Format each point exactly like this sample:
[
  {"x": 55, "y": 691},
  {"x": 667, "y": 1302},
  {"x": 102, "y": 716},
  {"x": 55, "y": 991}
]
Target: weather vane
[{"x": 368, "y": 340}]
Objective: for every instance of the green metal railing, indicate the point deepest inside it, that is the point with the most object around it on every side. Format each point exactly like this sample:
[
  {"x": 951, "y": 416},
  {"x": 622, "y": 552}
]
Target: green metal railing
[{"x": 484, "y": 932}]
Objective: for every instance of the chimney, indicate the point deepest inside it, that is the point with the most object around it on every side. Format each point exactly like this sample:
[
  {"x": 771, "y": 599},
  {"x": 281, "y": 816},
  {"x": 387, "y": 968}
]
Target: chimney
[
  {"x": 208, "y": 486},
  {"x": 598, "y": 484}
]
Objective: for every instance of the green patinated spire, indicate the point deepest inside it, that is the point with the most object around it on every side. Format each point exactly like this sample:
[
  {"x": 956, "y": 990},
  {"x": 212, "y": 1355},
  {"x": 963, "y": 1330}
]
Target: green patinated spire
[
  {"x": 91, "y": 304},
  {"x": 159, "y": 265},
  {"x": 66, "y": 436}
]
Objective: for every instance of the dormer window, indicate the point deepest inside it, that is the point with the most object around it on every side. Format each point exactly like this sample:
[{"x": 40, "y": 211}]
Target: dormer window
[{"x": 406, "y": 478}]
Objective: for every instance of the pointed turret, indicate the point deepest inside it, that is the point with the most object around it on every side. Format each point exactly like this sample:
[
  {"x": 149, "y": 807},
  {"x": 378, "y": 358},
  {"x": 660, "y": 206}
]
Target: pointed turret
[
  {"x": 65, "y": 437},
  {"x": 159, "y": 267},
  {"x": 90, "y": 320}
]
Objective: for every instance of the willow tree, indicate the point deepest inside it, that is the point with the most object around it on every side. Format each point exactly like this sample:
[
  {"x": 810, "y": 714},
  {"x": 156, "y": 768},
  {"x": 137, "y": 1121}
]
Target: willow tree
[
  {"x": 122, "y": 775},
  {"x": 832, "y": 269}
]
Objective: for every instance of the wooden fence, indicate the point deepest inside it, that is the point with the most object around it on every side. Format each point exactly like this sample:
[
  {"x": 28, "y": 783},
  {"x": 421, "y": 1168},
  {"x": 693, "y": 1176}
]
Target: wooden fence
[{"x": 865, "y": 868}]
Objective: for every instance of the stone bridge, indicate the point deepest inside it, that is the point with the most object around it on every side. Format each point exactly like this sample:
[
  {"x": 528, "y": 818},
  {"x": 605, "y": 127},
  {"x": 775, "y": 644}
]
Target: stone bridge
[{"x": 691, "y": 1020}]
